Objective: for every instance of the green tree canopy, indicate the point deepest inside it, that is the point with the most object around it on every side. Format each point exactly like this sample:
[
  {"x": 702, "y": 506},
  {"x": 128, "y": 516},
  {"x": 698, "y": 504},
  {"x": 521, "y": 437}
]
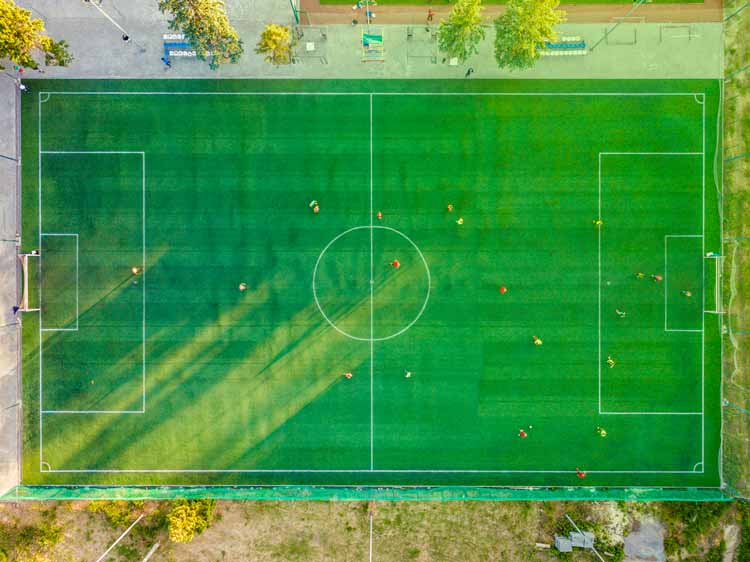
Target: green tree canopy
[
  {"x": 205, "y": 24},
  {"x": 21, "y": 36},
  {"x": 522, "y": 30},
  {"x": 459, "y": 35}
]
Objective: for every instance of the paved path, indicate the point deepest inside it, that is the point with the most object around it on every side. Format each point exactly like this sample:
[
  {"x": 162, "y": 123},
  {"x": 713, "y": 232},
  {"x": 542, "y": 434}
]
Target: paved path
[
  {"x": 657, "y": 52},
  {"x": 10, "y": 411}
]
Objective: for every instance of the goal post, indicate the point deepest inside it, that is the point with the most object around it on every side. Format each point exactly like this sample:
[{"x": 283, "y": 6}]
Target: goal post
[{"x": 23, "y": 304}]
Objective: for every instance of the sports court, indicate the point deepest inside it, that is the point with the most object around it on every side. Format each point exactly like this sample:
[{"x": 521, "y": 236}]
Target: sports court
[{"x": 150, "y": 202}]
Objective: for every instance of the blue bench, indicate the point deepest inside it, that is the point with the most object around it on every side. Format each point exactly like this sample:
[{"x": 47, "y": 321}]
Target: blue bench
[{"x": 176, "y": 46}]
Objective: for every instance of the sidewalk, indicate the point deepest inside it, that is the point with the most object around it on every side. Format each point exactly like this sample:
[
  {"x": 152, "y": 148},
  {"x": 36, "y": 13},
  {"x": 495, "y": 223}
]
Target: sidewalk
[
  {"x": 10, "y": 391},
  {"x": 660, "y": 50}
]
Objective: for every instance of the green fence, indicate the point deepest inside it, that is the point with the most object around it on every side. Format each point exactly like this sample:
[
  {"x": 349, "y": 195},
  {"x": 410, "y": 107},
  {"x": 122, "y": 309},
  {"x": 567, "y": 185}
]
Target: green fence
[{"x": 362, "y": 494}]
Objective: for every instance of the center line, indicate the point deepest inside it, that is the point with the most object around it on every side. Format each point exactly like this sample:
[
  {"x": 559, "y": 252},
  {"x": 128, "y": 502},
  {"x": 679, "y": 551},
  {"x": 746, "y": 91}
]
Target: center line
[{"x": 372, "y": 312}]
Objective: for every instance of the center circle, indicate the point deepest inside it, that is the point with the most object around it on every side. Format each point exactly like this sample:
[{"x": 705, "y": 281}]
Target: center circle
[{"x": 359, "y": 290}]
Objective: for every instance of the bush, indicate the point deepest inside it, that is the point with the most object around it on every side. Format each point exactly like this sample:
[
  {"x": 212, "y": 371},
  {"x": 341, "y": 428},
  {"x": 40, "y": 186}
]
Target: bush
[
  {"x": 119, "y": 513},
  {"x": 189, "y": 518}
]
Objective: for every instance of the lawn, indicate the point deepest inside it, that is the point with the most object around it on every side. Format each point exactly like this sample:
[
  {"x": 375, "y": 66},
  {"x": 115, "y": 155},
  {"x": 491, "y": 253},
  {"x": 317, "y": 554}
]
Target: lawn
[{"x": 152, "y": 201}]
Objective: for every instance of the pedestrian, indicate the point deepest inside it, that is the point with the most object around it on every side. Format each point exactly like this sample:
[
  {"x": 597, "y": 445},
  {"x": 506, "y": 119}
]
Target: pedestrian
[
  {"x": 460, "y": 220},
  {"x": 135, "y": 270},
  {"x": 601, "y": 431},
  {"x": 686, "y": 293},
  {"x": 243, "y": 287},
  {"x": 379, "y": 215},
  {"x": 536, "y": 340},
  {"x": 610, "y": 362},
  {"x": 522, "y": 434},
  {"x": 503, "y": 290},
  {"x": 407, "y": 374},
  {"x": 315, "y": 206},
  {"x": 125, "y": 37},
  {"x": 395, "y": 264},
  {"x": 469, "y": 72},
  {"x": 166, "y": 62},
  {"x": 639, "y": 275},
  {"x": 450, "y": 207},
  {"x": 24, "y": 88},
  {"x": 620, "y": 313},
  {"x": 656, "y": 277},
  {"x": 348, "y": 375},
  {"x": 580, "y": 473},
  {"x": 597, "y": 222},
  {"x": 430, "y": 15},
  {"x": 16, "y": 309},
  {"x": 370, "y": 15}
]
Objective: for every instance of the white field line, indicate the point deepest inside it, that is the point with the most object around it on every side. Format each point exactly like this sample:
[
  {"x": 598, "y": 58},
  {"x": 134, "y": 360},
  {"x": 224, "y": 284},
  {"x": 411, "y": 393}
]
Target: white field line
[
  {"x": 372, "y": 309},
  {"x": 39, "y": 245},
  {"x": 703, "y": 282},
  {"x": 42, "y": 411},
  {"x": 370, "y": 94},
  {"x": 443, "y": 94},
  {"x": 666, "y": 283},
  {"x": 702, "y": 412},
  {"x": 41, "y": 253},
  {"x": 355, "y": 471}
]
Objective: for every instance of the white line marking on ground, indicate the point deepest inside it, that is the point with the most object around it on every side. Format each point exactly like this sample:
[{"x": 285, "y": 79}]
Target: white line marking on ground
[
  {"x": 402, "y": 330},
  {"x": 42, "y": 411},
  {"x": 442, "y": 94},
  {"x": 361, "y": 471},
  {"x": 685, "y": 235},
  {"x": 666, "y": 283},
  {"x": 61, "y": 234},
  {"x": 372, "y": 310}
]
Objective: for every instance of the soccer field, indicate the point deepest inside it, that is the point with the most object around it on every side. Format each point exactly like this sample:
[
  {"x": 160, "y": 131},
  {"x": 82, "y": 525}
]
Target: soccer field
[{"x": 173, "y": 375}]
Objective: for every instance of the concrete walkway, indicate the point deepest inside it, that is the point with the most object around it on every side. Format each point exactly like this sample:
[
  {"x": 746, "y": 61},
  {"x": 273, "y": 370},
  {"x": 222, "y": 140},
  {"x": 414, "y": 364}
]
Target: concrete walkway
[
  {"x": 10, "y": 391},
  {"x": 643, "y": 50}
]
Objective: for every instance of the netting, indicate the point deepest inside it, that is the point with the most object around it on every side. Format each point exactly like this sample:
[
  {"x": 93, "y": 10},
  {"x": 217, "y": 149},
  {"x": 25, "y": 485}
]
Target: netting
[
  {"x": 363, "y": 493},
  {"x": 736, "y": 197}
]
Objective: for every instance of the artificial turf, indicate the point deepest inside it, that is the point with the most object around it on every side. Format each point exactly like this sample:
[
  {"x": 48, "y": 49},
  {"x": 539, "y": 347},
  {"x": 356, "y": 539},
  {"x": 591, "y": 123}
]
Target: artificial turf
[{"x": 206, "y": 185}]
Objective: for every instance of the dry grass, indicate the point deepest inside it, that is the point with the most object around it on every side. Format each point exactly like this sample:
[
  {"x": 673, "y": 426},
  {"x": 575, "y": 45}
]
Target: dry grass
[{"x": 736, "y": 224}]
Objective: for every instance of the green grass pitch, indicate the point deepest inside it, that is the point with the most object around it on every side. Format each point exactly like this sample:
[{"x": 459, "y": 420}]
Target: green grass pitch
[{"x": 175, "y": 376}]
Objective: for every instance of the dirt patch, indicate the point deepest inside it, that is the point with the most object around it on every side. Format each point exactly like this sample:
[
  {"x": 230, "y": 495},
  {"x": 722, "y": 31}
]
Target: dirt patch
[{"x": 647, "y": 543}]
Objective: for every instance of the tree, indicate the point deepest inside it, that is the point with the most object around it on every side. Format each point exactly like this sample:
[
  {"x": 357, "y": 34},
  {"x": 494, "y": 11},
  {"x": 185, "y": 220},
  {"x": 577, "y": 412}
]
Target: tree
[
  {"x": 206, "y": 26},
  {"x": 522, "y": 30},
  {"x": 189, "y": 518},
  {"x": 276, "y": 44},
  {"x": 460, "y": 34},
  {"x": 21, "y": 36}
]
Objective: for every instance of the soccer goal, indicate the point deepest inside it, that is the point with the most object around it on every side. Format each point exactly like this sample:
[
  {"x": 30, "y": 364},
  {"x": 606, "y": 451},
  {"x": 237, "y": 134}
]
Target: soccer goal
[{"x": 23, "y": 305}]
